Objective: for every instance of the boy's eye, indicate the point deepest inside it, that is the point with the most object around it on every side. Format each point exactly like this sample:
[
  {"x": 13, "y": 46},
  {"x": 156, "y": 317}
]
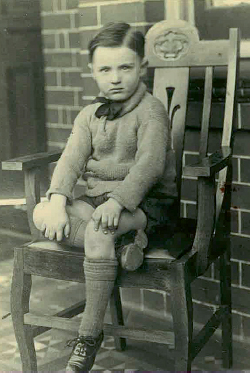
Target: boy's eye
[
  {"x": 104, "y": 69},
  {"x": 125, "y": 68}
]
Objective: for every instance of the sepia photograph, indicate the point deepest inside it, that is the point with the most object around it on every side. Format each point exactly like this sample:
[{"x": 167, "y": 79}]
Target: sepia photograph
[{"x": 124, "y": 186}]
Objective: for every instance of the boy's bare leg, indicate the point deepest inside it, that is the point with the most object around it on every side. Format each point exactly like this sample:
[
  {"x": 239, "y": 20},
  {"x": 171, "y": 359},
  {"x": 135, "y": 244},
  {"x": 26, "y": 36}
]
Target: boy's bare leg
[{"x": 79, "y": 213}]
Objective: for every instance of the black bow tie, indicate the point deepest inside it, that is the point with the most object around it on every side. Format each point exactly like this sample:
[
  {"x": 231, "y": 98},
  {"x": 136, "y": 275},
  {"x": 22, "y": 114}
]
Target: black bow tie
[{"x": 111, "y": 109}]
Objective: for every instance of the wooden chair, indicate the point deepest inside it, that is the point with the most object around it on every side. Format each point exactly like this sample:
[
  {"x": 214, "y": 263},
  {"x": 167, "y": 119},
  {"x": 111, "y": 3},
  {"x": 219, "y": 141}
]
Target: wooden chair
[{"x": 171, "y": 264}]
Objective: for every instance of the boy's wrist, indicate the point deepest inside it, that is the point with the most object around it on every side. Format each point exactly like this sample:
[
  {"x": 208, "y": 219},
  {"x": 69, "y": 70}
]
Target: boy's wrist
[
  {"x": 58, "y": 199},
  {"x": 117, "y": 203}
]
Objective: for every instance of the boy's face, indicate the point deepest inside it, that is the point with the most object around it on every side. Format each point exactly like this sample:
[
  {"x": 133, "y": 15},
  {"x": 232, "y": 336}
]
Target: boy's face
[{"x": 117, "y": 71}]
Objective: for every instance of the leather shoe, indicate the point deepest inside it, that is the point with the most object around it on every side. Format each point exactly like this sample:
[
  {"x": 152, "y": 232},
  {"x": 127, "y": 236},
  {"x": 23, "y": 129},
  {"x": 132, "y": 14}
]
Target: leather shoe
[{"x": 83, "y": 354}]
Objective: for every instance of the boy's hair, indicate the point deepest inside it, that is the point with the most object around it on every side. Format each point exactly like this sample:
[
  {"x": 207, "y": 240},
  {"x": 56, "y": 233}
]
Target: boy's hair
[{"x": 117, "y": 34}]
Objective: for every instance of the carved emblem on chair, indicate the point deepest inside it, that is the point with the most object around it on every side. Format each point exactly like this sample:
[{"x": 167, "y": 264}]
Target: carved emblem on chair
[{"x": 171, "y": 45}]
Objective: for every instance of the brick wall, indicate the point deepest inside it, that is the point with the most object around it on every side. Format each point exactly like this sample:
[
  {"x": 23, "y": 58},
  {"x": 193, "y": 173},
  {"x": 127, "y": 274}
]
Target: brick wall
[
  {"x": 63, "y": 83},
  {"x": 66, "y": 32}
]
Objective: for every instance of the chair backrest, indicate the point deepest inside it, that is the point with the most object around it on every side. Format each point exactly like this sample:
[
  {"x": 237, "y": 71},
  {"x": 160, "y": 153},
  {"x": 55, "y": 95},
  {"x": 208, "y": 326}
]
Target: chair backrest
[{"x": 172, "y": 49}]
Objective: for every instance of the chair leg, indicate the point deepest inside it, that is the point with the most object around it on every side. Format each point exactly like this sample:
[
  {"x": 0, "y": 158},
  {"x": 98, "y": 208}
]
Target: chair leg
[
  {"x": 117, "y": 316},
  {"x": 225, "y": 292},
  {"x": 182, "y": 314},
  {"x": 20, "y": 294}
]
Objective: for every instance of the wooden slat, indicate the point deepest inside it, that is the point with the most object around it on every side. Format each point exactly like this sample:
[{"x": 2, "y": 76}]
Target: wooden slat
[
  {"x": 30, "y": 161},
  {"x": 204, "y": 53},
  {"x": 206, "y": 112},
  {"x": 230, "y": 110},
  {"x": 157, "y": 336},
  {"x": 207, "y": 331},
  {"x": 176, "y": 80},
  {"x": 68, "y": 313},
  {"x": 209, "y": 165},
  {"x": 32, "y": 193},
  {"x": 205, "y": 222}
]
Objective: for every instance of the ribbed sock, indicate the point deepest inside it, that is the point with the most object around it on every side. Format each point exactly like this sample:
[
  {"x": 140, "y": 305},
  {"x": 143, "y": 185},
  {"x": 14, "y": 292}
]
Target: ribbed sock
[{"x": 100, "y": 277}]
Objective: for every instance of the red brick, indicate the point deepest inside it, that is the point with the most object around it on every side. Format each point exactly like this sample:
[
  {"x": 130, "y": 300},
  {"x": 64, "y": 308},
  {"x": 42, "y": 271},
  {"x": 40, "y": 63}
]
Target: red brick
[
  {"x": 246, "y": 326},
  {"x": 71, "y": 4},
  {"x": 62, "y": 43},
  {"x": 50, "y": 78},
  {"x": 130, "y": 12},
  {"x": 234, "y": 221},
  {"x": 241, "y": 299},
  {"x": 245, "y": 222},
  {"x": 62, "y": 59},
  {"x": 242, "y": 140},
  {"x": 235, "y": 169},
  {"x": 64, "y": 116},
  {"x": 88, "y": 16},
  {"x": 191, "y": 211},
  {"x": 49, "y": 41},
  {"x": 189, "y": 189},
  {"x": 246, "y": 275},
  {"x": 75, "y": 20},
  {"x": 240, "y": 248},
  {"x": 60, "y": 98},
  {"x": 46, "y": 5},
  {"x": 56, "y": 21},
  {"x": 89, "y": 87},
  {"x": 241, "y": 196},
  {"x": 245, "y": 170},
  {"x": 245, "y": 113},
  {"x": 191, "y": 159},
  {"x": 74, "y": 40},
  {"x": 72, "y": 79},
  {"x": 52, "y": 115}
]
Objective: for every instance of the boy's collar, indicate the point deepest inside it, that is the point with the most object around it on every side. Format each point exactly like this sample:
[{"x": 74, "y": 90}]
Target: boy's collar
[{"x": 122, "y": 107}]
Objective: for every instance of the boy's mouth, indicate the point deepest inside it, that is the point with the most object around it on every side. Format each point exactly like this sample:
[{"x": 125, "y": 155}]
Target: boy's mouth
[{"x": 116, "y": 89}]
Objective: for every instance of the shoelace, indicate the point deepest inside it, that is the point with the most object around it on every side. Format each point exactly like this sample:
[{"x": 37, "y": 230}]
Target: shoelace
[{"x": 82, "y": 342}]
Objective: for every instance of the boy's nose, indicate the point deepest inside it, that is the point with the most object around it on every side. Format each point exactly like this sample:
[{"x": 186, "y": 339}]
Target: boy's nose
[{"x": 115, "y": 78}]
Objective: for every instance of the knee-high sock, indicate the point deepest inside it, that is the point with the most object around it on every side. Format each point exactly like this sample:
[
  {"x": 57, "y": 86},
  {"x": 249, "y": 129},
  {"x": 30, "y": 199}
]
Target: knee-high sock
[{"x": 100, "y": 277}]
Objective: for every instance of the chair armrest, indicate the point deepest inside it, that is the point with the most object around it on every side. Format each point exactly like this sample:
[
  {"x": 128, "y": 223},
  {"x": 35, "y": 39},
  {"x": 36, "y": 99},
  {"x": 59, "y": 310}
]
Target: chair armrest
[
  {"x": 208, "y": 166},
  {"x": 28, "y": 162}
]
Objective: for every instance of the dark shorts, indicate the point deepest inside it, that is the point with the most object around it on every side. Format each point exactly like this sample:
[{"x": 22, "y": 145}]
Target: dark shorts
[{"x": 160, "y": 212}]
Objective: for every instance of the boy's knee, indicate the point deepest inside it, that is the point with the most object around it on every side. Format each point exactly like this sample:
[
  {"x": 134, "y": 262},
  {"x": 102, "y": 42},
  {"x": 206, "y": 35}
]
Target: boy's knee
[
  {"x": 97, "y": 244},
  {"x": 39, "y": 214}
]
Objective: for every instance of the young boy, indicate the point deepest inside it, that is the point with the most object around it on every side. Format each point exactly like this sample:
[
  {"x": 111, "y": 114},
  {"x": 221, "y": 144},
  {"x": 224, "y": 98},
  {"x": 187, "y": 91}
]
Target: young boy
[{"x": 121, "y": 145}]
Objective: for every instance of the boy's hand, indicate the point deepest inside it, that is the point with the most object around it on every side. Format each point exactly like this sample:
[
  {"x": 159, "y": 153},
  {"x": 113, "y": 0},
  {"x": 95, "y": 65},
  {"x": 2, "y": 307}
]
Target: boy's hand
[
  {"x": 56, "y": 223},
  {"x": 108, "y": 215}
]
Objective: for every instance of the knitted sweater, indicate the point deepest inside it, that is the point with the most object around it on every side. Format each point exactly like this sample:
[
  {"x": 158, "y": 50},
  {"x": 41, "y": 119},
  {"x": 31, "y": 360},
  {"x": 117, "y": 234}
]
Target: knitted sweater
[{"x": 127, "y": 157}]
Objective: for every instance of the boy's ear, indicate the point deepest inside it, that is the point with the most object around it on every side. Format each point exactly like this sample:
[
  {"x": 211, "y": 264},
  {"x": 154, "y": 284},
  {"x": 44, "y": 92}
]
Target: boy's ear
[{"x": 144, "y": 65}]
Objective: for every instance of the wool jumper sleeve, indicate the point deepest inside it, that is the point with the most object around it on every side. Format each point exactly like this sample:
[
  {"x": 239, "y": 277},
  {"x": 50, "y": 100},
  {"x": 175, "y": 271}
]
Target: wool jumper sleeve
[
  {"x": 152, "y": 145},
  {"x": 73, "y": 159}
]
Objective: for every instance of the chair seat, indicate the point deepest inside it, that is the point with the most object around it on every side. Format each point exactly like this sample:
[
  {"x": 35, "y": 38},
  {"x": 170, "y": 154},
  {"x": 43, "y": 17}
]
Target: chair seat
[{"x": 162, "y": 246}]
